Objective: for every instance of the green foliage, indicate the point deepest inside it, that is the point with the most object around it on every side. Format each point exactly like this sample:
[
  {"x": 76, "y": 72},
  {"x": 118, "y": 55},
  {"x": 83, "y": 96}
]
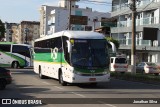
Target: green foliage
[
  {"x": 116, "y": 42},
  {"x": 2, "y": 30}
]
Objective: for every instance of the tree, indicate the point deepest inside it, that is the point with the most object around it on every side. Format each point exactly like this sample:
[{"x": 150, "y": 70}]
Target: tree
[
  {"x": 116, "y": 42},
  {"x": 2, "y": 30}
]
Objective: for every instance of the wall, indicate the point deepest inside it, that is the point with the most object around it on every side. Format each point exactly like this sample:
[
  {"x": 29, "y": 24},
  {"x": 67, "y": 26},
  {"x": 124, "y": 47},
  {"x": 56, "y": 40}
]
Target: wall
[{"x": 60, "y": 18}]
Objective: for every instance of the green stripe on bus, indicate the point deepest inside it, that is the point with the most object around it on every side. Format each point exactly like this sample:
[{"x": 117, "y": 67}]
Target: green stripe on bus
[
  {"x": 47, "y": 57},
  {"x": 50, "y": 62},
  {"x": 20, "y": 60}
]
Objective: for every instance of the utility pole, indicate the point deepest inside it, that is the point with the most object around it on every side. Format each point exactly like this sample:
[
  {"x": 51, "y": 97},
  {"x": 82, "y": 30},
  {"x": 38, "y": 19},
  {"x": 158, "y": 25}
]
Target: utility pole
[
  {"x": 133, "y": 48},
  {"x": 70, "y": 10},
  {"x": 69, "y": 23}
]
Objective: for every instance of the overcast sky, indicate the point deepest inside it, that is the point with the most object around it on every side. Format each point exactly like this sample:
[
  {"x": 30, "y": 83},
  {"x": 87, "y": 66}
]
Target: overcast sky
[{"x": 14, "y": 11}]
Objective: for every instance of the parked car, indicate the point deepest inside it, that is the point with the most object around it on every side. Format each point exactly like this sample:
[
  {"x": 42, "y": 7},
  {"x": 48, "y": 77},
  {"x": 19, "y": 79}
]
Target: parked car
[
  {"x": 118, "y": 64},
  {"x": 148, "y": 68},
  {"x": 5, "y": 78}
]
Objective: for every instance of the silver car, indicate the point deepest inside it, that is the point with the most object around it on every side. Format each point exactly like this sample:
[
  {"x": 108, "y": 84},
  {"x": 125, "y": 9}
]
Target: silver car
[{"x": 148, "y": 68}]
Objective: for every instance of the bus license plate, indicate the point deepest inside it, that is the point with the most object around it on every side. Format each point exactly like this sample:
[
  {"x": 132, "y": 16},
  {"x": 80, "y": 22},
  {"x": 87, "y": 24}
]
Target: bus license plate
[{"x": 92, "y": 79}]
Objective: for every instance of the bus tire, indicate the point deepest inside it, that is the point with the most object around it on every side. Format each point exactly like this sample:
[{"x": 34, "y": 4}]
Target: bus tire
[
  {"x": 61, "y": 81},
  {"x": 40, "y": 74},
  {"x": 2, "y": 84},
  {"x": 15, "y": 64}
]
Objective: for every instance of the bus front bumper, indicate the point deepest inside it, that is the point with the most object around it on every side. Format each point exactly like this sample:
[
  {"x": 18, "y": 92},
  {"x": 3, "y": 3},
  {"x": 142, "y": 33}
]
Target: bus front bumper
[{"x": 89, "y": 79}]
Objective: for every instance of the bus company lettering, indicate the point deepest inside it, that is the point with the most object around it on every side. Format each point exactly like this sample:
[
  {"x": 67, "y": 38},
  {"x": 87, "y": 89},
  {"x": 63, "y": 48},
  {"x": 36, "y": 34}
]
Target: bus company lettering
[{"x": 54, "y": 53}]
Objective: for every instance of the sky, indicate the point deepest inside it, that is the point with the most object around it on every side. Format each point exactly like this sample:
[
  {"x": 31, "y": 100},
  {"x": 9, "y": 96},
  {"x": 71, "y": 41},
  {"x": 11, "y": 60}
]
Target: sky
[{"x": 15, "y": 11}]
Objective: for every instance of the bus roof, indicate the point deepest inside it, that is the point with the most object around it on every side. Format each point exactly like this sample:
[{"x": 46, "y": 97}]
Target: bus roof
[{"x": 74, "y": 34}]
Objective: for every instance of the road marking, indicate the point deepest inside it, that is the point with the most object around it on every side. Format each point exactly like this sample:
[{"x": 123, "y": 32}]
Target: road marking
[
  {"x": 79, "y": 94},
  {"x": 107, "y": 104},
  {"x": 58, "y": 87},
  {"x": 46, "y": 83}
]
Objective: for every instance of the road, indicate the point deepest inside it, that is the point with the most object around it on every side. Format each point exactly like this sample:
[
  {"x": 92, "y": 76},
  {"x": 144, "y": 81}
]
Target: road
[{"x": 27, "y": 85}]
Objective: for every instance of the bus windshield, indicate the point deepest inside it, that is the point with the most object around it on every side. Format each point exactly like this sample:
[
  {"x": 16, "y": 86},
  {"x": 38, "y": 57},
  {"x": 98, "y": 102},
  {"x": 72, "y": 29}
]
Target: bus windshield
[{"x": 89, "y": 53}]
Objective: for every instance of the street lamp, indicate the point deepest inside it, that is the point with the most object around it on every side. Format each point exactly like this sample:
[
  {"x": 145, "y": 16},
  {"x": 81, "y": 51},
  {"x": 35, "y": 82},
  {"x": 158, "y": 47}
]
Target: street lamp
[{"x": 26, "y": 30}]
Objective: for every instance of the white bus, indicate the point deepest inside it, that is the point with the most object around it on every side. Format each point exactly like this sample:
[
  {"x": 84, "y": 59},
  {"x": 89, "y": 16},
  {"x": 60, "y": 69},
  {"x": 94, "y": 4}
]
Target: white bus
[
  {"x": 72, "y": 57},
  {"x": 15, "y": 55}
]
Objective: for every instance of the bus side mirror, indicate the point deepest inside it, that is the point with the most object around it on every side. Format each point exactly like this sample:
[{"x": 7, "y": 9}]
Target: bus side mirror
[{"x": 69, "y": 45}]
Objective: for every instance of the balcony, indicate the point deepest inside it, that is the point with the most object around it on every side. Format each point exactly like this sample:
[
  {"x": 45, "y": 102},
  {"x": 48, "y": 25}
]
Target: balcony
[
  {"x": 125, "y": 44},
  {"x": 139, "y": 42},
  {"x": 119, "y": 7},
  {"x": 144, "y": 21},
  {"x": 125, "y": 26},
  {"x": 124, "y": 8}
]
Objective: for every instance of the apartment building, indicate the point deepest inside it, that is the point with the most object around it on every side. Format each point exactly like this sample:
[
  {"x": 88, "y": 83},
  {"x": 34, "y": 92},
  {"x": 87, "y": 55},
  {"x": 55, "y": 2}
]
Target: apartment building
[
  {"x": 56, "y": 18},
  {"x": 29, "y": 31},
  {"x": 18, "y": 33},
  {"x": 147, "y": 15},
  {"x": 12, "y": 32}
]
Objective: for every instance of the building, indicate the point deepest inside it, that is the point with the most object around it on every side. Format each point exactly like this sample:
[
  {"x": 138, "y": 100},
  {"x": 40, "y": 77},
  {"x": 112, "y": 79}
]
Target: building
[
  {"x": 147, "y": 15},
  {"x": 29, "y": 31},
  {"x": 12, "y": 32},
  {"x": 17, "y": 33},
  {"x": 54, "y": 19}
]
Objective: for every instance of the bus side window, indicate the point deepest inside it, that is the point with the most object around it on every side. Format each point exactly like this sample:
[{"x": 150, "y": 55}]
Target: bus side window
[
  {"x": 5, "y": 48},
  {"x": 22, "y": 50}
]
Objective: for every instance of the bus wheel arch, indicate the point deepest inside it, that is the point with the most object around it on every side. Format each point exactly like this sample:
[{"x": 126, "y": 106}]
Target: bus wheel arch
[
  {"x": 15, "y": 64},
  {"x": 60, "y": 77}
]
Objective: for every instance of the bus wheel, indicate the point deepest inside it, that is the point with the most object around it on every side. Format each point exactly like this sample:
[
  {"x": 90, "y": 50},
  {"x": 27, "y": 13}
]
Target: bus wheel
[
  {"x": 40, "y": 74},
  {"x": 2, "y": 84},
  {"x": 61, "y": 81},
  {"x": 15, "y": 64}
]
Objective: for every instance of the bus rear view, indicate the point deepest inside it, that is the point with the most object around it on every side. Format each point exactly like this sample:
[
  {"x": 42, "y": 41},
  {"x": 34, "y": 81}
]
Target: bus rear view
[{"x": 15, "y": 55}]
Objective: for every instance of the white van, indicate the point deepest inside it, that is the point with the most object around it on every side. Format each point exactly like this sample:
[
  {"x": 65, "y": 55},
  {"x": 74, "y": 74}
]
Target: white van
[{"x": 118, "y": 64}]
